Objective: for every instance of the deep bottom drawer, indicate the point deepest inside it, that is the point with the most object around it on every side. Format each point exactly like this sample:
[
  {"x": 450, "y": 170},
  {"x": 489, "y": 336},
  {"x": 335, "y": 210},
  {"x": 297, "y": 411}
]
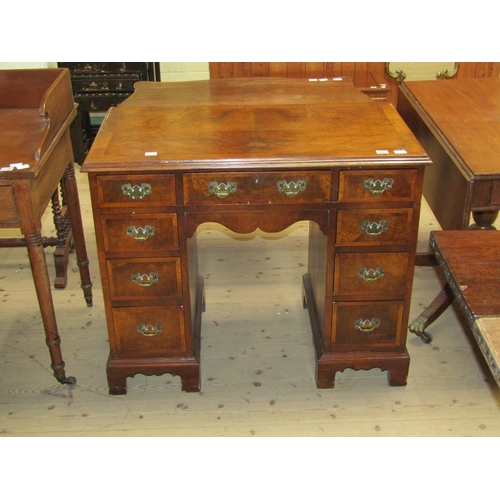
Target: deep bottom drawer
[
  {"x": 154, "y": 331},
  {"x": 367, "y": 325}
]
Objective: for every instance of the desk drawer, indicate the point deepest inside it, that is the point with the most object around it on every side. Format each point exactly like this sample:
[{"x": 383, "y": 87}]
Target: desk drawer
[
  {"x": 369, "y": 274},
  {"x": 151, "y": 332},
  {"x": 377, "y": 185},
  {"x": 133, "y": 233},
  {"x": 141, "y": 279},
  {"x": 150, "y": 190},
  {"x": 257, "y": 188},
  {"x": 363, "y": 325},
  {"x": 374, "y": 227}
]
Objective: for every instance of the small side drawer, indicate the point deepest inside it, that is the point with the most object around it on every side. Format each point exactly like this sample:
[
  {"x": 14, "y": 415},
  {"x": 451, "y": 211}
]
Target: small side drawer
[
  {"x": 374, "y": 227},
  {"x": 150, "y": 332},
  {"x": 377, "y": 185},
  {"x": 119, "y": 191},
  {"x": 8, "y": 211},
  {"x": 367, "y": 325},
  {"x": 133, "y": 233},
  {"x": 369, "y": 274},
  {"x": 258, "y": 188},
  {"x": 141, "y": 279}
]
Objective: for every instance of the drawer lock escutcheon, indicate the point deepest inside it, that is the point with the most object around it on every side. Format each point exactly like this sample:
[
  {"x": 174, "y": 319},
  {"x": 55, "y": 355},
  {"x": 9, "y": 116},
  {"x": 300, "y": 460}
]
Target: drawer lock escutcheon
[
  {"x": 291, "y": 188},
  {"x": 377, "y": 187},
  {"x": 136, "y": 192},
  {"x": 374, "y": 228},
  {"x": 366, "y": 325},
  {"x": 371, "y": 274},
  {"x": 221, "y": 189},
  {"x": 145, "y": 280},
  {"x": 150, "y": 330},
  {"x": 140, "y": 233}
]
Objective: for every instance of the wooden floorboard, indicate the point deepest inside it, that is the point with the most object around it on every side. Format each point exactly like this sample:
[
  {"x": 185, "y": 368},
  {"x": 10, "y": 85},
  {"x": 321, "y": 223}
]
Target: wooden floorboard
[{"x": 257, "y": 357}]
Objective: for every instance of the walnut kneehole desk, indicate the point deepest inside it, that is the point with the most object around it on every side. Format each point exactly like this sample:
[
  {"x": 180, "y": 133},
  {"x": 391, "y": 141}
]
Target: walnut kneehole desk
[{"x": 255, "y": 153}]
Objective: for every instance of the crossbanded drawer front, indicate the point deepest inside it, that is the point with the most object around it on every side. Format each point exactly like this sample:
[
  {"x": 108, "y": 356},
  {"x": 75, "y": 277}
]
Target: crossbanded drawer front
[
  {"x": 374, "y": 227},
  {"x": 377, "y": 185},
  {"x": 367, "y": 325},
  {"x": 149, "y": 190},
  {"x": 153, "y": 331},
  {"x": 133, "y": 233},
  {"x": 368, "y": 274},
  {"x": 258, "y": 188},
  {"x": 141, "y": 279}
]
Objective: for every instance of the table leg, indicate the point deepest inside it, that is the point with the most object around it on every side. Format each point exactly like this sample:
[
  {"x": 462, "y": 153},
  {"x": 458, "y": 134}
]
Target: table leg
[
  {"x": 40, "y": 272},
  {"x": 73, "y": 206},
  {"x": 484, "y": 220},
  {"x": 431, "y": 314},
  {"x": 63, "y": 242}
]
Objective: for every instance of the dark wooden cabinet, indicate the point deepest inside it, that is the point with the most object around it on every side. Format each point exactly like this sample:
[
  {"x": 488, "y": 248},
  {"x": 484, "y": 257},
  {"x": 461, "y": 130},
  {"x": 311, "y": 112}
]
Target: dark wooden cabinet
[{"x": 97, "y": 86}]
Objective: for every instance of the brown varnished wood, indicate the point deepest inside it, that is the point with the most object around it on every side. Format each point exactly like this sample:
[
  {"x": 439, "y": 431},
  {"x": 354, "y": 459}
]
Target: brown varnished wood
[
  {"x": 470, "y": 263},
  {"x": 36, "y": 110},
  {"x": 249, "y": 137},
  {"x": 370, "y": 77},
  {"x": 464, "y": 151}
]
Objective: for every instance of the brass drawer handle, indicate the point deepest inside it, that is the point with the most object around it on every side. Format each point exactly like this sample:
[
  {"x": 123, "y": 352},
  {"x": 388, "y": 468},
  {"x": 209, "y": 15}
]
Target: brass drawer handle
[
  {"x": 140, "y": 233},
  {"x": 291, "y": 188},
  {"x": 145, "y": 280},
  {"x": 136, "y": 192},
  {"x": 377, "y": 187},
  {"x": 366, "y": 325},
  {"x": 374, "y": 228},
  {"x": 150, "y": 330},
  {"x": 222, "y": 190},
  {"x": 371, "y": 274}
]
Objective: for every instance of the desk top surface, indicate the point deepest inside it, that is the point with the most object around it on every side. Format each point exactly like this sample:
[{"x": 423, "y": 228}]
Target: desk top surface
[
  {"x": 466, "y": 113},
  {"x": 244, "y": 123}
]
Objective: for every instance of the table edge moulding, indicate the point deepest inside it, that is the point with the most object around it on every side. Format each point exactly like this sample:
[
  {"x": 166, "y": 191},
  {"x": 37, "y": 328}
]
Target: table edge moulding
[
  {"x": 253, "y": 154},
  {"x": 37, "y": 168}
]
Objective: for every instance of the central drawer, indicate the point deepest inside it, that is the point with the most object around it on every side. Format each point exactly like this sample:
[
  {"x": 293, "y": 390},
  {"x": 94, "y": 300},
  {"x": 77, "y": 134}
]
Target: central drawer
[{"x": 257, "y": 188}]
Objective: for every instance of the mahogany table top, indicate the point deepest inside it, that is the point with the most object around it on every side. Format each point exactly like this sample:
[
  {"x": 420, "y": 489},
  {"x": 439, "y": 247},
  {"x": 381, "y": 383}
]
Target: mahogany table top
[
  {"x": 240, "y": 122},
  {"x": 466, "y": 114}
]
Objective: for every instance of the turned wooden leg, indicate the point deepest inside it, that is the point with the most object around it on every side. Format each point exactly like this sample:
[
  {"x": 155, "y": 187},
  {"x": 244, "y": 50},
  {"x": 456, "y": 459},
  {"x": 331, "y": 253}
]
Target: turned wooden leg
[
  {"x": 484, "y": 220},
  {"x": 73, "y": 206},
  {"x": 43, "y": 290},
  {"x": 62, "y": 242}
]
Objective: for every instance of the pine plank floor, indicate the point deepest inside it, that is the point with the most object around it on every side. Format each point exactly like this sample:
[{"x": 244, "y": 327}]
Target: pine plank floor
[{"x": 257, "y": 356}]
